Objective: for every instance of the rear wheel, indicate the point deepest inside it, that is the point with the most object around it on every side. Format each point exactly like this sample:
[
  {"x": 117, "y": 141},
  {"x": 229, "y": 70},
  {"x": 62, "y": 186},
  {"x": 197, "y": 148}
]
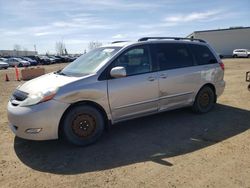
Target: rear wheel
[
  {"x": 83, "y": 125},
  {"x": 234, "y": 56},
  {"x": 204, "y": 100},
  {"x": 20, "y": 65}
]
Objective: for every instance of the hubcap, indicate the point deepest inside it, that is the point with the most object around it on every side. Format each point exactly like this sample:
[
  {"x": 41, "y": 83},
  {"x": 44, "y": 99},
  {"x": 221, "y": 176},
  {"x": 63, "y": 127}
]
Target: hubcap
[
  {"x": 83, "y": 125},
  {"x": 204, "y": 100}
]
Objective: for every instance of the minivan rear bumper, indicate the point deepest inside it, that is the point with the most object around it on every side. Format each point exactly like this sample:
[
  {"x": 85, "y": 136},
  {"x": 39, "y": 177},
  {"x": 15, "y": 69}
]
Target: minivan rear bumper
[
  {"x": 37, "y": 122},
  {"x": 220, "y": 86}
]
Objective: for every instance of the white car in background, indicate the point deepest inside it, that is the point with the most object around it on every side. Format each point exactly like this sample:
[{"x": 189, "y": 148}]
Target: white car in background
[
  {"x": 15, "y": 61},
  {"x": 241, "y": 53}
]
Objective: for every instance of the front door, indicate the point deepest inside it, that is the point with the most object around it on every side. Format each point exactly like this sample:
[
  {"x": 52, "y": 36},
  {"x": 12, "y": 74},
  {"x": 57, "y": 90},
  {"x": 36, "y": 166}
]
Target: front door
[{"x": 137, "y": 93}]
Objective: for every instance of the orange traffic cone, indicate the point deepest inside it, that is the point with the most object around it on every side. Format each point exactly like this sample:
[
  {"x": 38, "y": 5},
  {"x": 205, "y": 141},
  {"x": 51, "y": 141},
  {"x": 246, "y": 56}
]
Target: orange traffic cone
[
  {"x": 17, "y": 73},
  {"x": 6, "y": 78}
]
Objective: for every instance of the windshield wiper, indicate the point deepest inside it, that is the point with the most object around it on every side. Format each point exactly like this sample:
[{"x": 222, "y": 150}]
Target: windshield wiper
[{"x": 60, "y": 73}]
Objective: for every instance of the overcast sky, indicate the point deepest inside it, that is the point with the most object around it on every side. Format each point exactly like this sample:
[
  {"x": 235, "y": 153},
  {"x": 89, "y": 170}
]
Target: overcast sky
[{"x": 44, "y": 22}]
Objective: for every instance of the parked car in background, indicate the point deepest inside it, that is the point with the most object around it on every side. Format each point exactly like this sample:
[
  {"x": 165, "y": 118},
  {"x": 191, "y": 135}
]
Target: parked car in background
[
  {"x": 3, "y": 59},
  {"x": 15, "y": 61},
  {"x": 55, "y": 59},
  {"x": 33, "y": 62},
  {"x": 40, "y": 60},
  {"x": 117, "y": 82},
  {"x": 72, "y": 58},
  {"x": 45, "y": 60},
  {"x": 3, "y": 65},
  {"x": 62, "y": 59},
  {"x": 241, "y": 53}
]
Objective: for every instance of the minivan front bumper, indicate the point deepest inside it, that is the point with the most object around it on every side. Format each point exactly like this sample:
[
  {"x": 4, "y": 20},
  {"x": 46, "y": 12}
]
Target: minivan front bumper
[{"x": 37, "y": 122}]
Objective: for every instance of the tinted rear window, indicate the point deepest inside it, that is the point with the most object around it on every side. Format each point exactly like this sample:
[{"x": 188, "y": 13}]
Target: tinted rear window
[
  {"x": 171, "y": 56},
  {"x": 202, "y": 54}
]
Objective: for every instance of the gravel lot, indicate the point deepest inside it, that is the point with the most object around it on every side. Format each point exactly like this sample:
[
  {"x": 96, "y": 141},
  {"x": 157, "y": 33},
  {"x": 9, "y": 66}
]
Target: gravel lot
[{"x": 172, "y": 149}]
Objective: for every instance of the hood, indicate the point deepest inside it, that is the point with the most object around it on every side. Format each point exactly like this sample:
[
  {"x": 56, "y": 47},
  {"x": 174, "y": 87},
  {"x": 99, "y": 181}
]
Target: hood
[{"x": 47, "y": 81}]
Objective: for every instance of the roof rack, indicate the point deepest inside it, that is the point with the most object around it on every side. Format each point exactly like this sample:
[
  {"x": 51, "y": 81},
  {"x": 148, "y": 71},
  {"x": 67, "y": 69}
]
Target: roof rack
[
  {"x": 118, "y": 41},
  {"x": 170, "y": 38}
]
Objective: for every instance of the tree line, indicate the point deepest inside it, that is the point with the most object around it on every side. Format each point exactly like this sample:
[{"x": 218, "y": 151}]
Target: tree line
[{"x": 60, "y": 47}]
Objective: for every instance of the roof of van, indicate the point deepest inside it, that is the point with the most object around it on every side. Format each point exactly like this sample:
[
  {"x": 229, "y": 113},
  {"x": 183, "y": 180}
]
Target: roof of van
[
  {"x": 119, "y": 44},
  {"x": 154, "y": 39}
]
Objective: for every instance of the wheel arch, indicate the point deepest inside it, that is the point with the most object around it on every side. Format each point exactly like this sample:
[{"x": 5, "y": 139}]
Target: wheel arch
[
  {"x": 85, "y": 102},
  {"x": 211, "y": 86}
]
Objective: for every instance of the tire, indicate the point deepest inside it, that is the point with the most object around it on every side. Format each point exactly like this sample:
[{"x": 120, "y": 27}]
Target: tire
[
  {"x": 20, "y": 65},
  {"x": 204, "y": 101},
  {"x": 83, "y": 125},
  {"x": 234, "y": 56}
]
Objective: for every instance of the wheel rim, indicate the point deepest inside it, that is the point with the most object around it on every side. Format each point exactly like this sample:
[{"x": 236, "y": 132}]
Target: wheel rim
[
  {"x": 204, "y": 100},
  {"x": 83, "y": 125}
]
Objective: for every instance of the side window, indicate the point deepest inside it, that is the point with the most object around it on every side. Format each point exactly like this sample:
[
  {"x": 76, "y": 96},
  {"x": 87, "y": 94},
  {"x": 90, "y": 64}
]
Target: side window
[
  {"x": 202, "y": 54},
  {"x": 135, "y": 61},
  {"x": 172, "y": 56}
]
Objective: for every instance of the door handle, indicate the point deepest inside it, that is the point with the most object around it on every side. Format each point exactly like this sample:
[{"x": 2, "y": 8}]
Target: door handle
[
  {"x": 164, "y": 76},
  {"x": 151, "y": 78}
]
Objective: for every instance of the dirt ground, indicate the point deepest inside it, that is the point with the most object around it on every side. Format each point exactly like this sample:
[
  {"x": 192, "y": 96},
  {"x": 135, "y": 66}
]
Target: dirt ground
[{"x": 172, "y": 149}]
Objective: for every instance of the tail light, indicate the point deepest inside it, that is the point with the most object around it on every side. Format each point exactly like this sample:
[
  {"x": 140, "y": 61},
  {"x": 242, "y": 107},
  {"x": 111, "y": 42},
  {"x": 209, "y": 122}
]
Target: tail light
[{"x": 222, "y": 65}]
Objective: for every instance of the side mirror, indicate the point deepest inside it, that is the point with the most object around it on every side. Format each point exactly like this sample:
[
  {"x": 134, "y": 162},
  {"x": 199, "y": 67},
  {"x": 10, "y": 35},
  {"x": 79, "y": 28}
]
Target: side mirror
[{"x": 118, "y": 72}]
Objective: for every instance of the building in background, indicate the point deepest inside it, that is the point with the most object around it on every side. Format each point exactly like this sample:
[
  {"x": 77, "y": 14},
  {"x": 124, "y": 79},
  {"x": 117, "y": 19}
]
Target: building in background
[
  {"x": 17, "y": 53},
  {"x": 224, "y": 41}
]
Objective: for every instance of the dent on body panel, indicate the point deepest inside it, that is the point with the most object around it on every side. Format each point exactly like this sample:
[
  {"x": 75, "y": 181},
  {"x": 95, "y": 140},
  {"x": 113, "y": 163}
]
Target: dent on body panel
[
  {"x": 75, "y": 96},
  {"x": 219, "y": 74},
  {"x": 91, "y": 90},
  {"x": 208, "y": 75},
  {"x": 94, "y": 92}
]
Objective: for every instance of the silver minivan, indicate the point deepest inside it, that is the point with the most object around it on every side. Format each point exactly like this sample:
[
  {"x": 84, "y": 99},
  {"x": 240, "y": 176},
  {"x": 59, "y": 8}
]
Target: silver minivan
[{"x": 117, "y": 82}]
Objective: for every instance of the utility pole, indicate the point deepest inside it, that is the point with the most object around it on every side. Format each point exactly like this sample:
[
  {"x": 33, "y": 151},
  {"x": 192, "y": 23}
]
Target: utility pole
[{"x": 35, "y": 47}]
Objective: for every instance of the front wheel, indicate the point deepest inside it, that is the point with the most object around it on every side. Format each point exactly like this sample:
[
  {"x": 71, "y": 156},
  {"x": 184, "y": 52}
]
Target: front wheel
[
  {"x": 204, "y": 100},
  {"x": 83, "y": 125}
]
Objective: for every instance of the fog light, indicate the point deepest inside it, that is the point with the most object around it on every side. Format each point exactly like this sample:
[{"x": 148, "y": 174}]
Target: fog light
[{"x": 33, "y": 130}]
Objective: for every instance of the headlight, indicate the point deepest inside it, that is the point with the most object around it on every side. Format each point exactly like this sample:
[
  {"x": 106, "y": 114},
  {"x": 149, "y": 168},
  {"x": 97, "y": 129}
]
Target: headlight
[{"x": 39, "y": 97}]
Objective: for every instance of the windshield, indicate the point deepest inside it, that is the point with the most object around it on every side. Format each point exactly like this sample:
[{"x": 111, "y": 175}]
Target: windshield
[{"x": 89, "y": 63}]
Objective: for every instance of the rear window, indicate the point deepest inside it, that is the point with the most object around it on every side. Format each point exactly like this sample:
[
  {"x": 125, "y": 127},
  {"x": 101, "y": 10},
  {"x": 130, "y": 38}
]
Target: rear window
[{"x": 202, "y": 54}]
